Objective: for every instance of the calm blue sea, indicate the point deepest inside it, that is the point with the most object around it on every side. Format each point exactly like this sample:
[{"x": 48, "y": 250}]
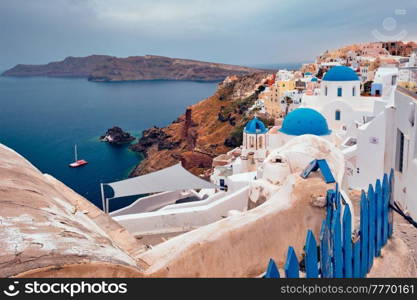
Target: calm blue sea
[{"x": 42, "y": 119}]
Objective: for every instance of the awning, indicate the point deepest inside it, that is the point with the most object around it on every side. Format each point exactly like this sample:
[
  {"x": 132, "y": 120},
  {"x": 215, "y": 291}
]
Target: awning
[{"x": 173, "y": 178}]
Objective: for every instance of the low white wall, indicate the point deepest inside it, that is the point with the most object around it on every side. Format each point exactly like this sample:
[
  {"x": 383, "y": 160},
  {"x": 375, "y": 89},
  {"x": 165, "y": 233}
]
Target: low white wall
[
  {"x": 241, "y": 245},
  {"x": 370, "y": 153},
  {"x": 150, "y": 203},
  {"x": 194, "y": 203},
  {"x": 185, "y": 218}
]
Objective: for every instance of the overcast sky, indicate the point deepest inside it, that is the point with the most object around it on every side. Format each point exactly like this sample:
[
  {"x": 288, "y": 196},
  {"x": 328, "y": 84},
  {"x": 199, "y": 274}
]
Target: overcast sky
[{"x": 230, "y": 31}]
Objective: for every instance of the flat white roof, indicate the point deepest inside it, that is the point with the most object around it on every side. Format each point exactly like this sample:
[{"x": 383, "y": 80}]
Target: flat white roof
[{"x": 248, "y": 176}]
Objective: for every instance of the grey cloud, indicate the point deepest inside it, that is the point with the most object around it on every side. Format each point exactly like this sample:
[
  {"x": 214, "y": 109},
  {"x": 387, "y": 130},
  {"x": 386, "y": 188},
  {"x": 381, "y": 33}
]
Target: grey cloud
[{"x": 230, "y": 31}]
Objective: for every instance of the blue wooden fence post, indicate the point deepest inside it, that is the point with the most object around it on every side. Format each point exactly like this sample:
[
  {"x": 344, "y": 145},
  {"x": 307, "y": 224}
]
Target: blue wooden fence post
[
  {"x": 337, "y": 244},
  {"x": 371, "y": 224},
  {"x": 364, "y": 234},
  {"x": 347, "y": 242},
  {"x": 272, "y": 270},
  {"x": 378, "y": 198},
  {"x": 385, "y": 205},
  {"x": 330, "y": 199},
  {"x": 391, "y": 202},
  {"x": 312, "y": 270},
  {"x": 337, "y": 196},
  {"x": 325, "y": 259},
  {"x": 357, "y": 259},
  {"x": 339, "y": 256},
  {"x": 292, "y": 268}
]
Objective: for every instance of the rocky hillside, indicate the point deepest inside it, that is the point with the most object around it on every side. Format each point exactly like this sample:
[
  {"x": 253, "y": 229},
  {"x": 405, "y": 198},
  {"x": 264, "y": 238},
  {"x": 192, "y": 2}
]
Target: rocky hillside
[
  {"x": 207, "y": 129},
  {"x": 149, "y": 67},
  {"x": 69, "y": 67}
]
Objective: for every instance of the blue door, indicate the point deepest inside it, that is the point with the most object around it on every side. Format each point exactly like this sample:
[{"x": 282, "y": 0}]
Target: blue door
[{"x": 337, "y": 115}]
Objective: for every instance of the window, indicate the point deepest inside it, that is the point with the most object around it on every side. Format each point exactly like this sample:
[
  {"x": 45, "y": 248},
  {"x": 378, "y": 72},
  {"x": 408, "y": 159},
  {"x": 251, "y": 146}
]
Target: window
[
  {"x": 325, "y": 91},
  {"x": 337, "y": 115},
  {"x": 339, "y": 92},
  {"x": 251, "y": 142},
  {"x": 394, "y": 80},
  {"x": 354, "y": 91},
  {"x": 260, "y": 142},
  {"x": 399, "y": 155}
]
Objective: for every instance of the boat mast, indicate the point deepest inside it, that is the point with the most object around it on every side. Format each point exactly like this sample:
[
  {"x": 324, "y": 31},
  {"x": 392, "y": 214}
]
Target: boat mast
[{"x": 75, "y": 152}]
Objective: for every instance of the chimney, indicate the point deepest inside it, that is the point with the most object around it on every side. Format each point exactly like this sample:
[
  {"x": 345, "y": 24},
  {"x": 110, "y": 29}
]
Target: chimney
[{"x": 187, "y": 123}]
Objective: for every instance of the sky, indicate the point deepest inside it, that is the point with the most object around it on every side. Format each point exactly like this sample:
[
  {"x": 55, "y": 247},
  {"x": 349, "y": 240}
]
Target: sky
[{"x": 245, "y": 32}]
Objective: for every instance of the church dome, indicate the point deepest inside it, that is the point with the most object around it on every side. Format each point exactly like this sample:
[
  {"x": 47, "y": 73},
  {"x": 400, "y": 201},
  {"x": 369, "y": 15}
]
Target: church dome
[
  {"x": 305, "y": 121},
  {"x": 314, "y": 79},
  {"x": 340, "y": 73},
  {"x": 255, "y": 126}
]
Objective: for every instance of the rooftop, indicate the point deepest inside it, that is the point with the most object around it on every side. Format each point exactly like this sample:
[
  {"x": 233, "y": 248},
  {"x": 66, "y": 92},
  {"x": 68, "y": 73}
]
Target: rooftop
[
  {"x": 305, "y": 121},
  {"x": 407, "y": 92},
  {"x": 340, "y": 73},
  {"x": 255, "y": 126}
]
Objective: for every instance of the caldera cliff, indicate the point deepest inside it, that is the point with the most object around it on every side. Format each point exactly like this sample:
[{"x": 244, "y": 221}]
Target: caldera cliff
[{"x": 207, "y": 129}]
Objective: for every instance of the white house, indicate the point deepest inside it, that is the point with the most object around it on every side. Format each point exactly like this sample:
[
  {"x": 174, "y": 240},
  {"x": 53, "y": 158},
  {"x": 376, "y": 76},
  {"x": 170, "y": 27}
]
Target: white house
[
  {"x": 284, "y": 75},
  {"x": 386, "y": 81},
  {"x": 401, "y": 149}
]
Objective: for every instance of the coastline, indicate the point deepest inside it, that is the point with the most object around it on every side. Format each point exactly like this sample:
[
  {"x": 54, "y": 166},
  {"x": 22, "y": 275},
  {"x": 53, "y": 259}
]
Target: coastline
[
  {"x": 52, "y": 126},
  {"x": 200, "y": 133}
]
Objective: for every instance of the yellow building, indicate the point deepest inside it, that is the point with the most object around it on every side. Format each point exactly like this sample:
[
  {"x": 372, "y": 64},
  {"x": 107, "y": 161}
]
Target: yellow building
[{"x": 273, "y": 97}]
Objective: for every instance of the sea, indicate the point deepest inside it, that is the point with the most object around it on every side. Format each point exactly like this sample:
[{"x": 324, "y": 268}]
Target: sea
[
  {"x": 43, "y": 118},
  {"x": 293, "y": 66}
]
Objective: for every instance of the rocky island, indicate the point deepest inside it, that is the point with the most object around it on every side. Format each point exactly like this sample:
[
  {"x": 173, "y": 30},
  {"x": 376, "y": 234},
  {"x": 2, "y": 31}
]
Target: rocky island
[
  {"x": 116, "y": 135},
  {"x": 148, "y": 67}
]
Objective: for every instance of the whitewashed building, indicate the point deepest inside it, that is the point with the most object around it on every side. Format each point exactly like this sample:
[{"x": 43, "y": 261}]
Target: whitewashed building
[{"x": 366, "y": 137}]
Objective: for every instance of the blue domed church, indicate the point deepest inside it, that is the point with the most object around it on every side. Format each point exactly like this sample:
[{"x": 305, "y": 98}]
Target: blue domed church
[
  {"x": 257, "y": 139},
  {"x": 305, "y": 121},
  {"x": 254, "y": 138},
  {"x": 340, "y": 81}
]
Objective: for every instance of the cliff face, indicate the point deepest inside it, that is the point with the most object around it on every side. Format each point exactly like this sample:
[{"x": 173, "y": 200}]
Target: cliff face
[
  {"x": 207, "y": 129},
  {"x": 149, "y": 67}
]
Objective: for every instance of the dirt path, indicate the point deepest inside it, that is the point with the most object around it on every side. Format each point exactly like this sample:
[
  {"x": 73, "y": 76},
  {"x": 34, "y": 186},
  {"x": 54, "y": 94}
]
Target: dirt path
[
  {"x": 406, "y": 232},
  {"x": 402, "y": 229}
]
